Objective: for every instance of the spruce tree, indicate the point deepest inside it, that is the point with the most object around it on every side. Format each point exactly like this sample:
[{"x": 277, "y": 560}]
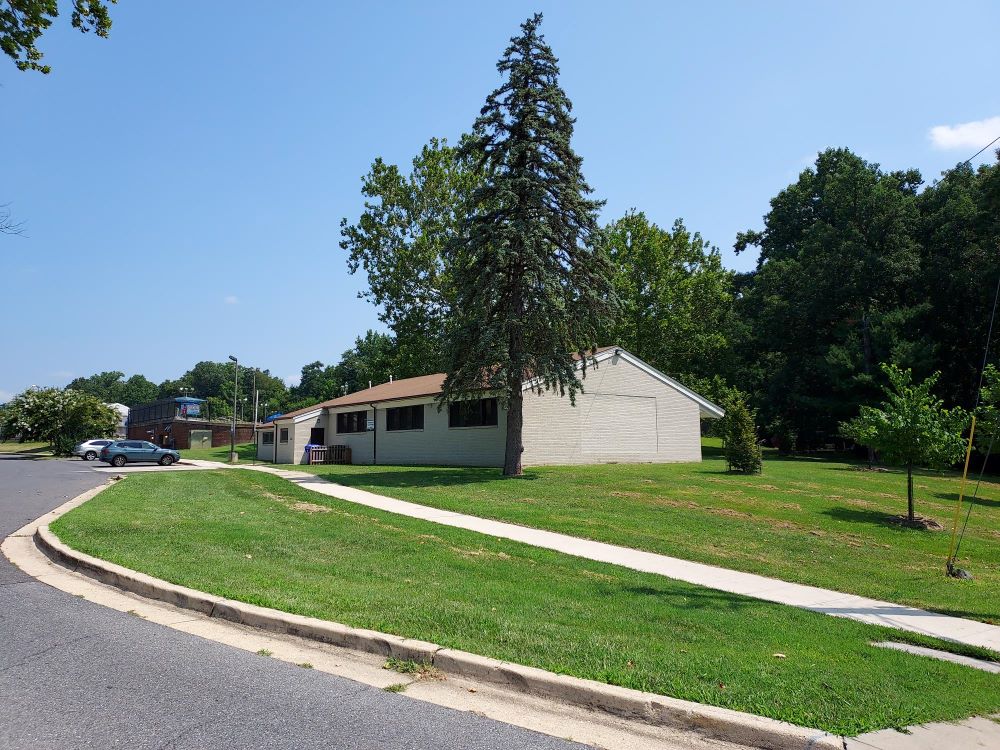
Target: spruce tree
[
  {"x": 743, "y": 454},
  {"x": 532, "y": 286}
]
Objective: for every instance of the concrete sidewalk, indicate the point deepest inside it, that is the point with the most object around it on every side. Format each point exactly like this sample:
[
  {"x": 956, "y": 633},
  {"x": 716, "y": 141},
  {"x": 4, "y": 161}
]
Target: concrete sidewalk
[{"x": 828, "y": 602}]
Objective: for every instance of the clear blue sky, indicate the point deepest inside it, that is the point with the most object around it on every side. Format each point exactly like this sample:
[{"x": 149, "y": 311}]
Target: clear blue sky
[{"x": 183, "y": 181}]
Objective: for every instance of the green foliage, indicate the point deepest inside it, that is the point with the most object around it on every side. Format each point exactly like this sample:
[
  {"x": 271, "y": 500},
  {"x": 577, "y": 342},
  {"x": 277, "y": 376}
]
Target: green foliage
[
  {"x": 399, "y": 241},
  {"x": 60, "y": 417},
  {"x": 111, "y": 388},
  {"x": 743, "y": 454},
  {"x": 531, "y": 284},
  {"x": 22, "y": 22},
  {"x": 676, "y": 298},
  {"x": 213, "y": 381},
  {"x": 911, "y": 427},
  {"x": 988, "y": 413},
  {"x": 959, "y": 236},
  {"x": 828, "y": 300}
]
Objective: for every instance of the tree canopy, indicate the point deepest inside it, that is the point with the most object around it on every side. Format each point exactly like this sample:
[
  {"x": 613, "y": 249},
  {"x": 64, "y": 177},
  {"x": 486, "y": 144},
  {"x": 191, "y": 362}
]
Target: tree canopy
[
  {"x": 676, "y": 298},
  {"x": 22, "y": 23},
  {"x": 399, "y": 242}
]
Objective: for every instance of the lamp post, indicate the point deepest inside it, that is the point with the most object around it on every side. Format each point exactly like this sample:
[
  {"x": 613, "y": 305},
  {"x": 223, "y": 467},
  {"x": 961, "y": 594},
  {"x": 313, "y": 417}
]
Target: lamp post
[{"x": 236, "y": 386}]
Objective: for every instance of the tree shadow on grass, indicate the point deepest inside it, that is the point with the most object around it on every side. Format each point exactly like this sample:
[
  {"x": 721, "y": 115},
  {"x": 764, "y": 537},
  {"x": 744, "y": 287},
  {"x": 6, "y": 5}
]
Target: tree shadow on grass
[
  {"x": 864, "y": 515},
  {"x": 423, "y": 476},
  {"x": 692, "y": 597},
  {"x": 951, "y": 497}
]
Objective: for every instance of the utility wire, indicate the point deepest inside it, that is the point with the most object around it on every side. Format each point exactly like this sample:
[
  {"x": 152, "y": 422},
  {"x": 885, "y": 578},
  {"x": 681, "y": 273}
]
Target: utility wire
[
  {"x": 979, "y": 390},
  {"x": 979, "y": 393}
]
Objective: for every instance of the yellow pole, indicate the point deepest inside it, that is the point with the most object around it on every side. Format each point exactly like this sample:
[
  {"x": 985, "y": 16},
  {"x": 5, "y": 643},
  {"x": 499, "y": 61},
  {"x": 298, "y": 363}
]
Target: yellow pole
[{"x": 961, "y": 490}]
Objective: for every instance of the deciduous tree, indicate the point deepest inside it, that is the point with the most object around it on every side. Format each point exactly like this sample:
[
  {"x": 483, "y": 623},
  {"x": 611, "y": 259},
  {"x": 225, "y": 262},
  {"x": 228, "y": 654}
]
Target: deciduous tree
[
  {"x": 676, "y": 298},
  {"x": 832, "y": 294},
  {"x": 399, "y": 242},
  {"x": 911, "y": 427}
]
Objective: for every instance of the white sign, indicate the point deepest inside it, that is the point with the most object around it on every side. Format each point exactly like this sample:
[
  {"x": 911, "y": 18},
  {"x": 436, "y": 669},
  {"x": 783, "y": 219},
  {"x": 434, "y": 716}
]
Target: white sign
[{"x": 371, "y": 425}]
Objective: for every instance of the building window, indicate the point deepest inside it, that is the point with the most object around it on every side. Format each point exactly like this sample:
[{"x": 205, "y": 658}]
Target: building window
[
  {"x": 283, "y": 435},
  {"x": 352, "y": 421},
  {"x": 479, "y": 413},
  {"x": 317, "y": 436},
  {"x": 268, "y": 438},
  {"x": 405, "y": 418}
]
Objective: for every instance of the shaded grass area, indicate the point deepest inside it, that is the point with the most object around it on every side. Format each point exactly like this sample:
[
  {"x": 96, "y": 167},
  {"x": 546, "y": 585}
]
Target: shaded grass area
[
  {"x": 260, "y": 539},
  {"x": 823, "y": 522}
]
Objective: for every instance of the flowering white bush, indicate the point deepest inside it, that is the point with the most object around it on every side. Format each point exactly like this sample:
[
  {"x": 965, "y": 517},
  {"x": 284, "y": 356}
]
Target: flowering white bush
[{"x": 59, "y": 417}]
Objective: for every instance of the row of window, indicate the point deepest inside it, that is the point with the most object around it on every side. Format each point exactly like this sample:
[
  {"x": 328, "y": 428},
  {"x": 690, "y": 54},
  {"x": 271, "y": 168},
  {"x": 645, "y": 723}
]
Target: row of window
[
  {"x": 480, "y": 413},
  {"x": 267, "y": 438}
]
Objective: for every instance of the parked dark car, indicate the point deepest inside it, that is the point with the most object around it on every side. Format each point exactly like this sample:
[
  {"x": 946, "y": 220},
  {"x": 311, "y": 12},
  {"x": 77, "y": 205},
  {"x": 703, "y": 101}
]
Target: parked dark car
[{"x": 123, "y": 452}]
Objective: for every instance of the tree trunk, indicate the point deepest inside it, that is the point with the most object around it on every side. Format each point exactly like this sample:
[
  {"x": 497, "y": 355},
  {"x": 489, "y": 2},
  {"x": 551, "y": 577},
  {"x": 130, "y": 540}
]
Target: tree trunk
[
  {"x": 909, "y": 492},
  {"x": 515, "y": 423}
]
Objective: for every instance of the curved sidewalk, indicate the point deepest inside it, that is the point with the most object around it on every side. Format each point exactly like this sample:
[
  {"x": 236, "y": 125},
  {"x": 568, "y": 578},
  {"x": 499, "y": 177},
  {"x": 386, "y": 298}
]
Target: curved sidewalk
[{"x": 838, "y": 604}]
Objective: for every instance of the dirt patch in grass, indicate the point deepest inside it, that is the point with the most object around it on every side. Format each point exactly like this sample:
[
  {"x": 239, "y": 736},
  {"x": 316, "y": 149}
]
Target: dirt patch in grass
[
  {"x": 729, "y": 512},
  {"x": 309, "y": 507},
  {"x": 471, "y": 554},
  {"x": 918, "y": 522},
  {"x": 675, "y": 503},
  {"x": 623, "y": 493}
]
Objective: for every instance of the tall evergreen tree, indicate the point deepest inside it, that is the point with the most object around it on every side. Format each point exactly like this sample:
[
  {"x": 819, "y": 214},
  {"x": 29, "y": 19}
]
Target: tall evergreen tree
[{"x": 531, "y": 285}]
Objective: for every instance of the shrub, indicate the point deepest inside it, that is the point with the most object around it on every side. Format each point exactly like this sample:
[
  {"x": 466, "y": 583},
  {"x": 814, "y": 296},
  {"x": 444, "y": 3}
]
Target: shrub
[{"x": 742, "y": 450}]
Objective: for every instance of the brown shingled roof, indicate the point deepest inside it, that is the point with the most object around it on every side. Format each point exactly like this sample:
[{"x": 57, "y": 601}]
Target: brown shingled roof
[{"x": 423, "y": 385}]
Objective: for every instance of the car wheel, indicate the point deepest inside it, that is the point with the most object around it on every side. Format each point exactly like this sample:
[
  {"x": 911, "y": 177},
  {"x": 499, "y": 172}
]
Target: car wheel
[
  {"x": 89, "y": 456},
  {"x": 118, "y": 461},
  {"x": 166, "y": 460}
]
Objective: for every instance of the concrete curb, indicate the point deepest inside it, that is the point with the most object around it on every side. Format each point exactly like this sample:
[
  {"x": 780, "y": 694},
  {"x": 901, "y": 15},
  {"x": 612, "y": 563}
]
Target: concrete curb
[{"x": 709, "y": 721}]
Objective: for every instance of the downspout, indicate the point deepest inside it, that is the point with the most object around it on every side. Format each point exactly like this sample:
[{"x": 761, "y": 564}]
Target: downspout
[{"x": 374, "y": 434}]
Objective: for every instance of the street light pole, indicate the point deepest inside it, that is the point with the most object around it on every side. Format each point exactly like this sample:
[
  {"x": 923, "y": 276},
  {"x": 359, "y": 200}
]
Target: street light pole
[{"x": 232, "y": 433}]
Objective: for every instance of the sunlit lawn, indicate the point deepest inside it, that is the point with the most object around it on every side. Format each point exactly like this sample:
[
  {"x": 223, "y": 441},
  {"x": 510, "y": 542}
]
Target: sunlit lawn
[
  {"x": 258, "y": 538},
  {"x": 810, "y": 520}
]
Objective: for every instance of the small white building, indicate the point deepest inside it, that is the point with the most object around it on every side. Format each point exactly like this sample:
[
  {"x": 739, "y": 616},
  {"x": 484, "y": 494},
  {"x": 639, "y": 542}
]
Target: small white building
[
  {"x": 629, "y": 412},
  {"x": 122, "y": 429}
]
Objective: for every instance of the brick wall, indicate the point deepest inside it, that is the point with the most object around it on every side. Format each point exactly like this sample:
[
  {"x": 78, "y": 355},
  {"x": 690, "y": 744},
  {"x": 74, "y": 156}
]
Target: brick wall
[{"x": 181, "y": 432}]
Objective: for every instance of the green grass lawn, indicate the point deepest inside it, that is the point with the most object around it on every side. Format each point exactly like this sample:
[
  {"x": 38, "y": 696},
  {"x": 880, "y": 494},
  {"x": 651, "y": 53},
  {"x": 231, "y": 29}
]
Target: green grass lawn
[
  {"x": 260, "y": 539},
  {"x": 12, "y": 446},
  {"x": 246, "y": 452},
  {"x": 814, "y": 521}
]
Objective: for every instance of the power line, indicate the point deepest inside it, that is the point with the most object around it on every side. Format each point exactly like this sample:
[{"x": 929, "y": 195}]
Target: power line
[{"x": 980, "y": 150}]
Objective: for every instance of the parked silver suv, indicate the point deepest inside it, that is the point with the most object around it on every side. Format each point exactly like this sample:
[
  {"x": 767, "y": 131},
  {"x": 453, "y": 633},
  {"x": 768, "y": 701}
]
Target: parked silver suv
[{"x": 89, "y": 450}]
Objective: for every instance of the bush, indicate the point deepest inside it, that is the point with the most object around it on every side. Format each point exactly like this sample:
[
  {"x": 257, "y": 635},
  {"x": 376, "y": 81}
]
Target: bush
[
  {"x": 59, "y": 417},
  {"x": 743, "y": 453}
]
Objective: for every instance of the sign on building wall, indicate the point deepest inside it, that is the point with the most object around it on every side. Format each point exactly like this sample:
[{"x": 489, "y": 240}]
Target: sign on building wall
[{"x": 190, "y": 410}]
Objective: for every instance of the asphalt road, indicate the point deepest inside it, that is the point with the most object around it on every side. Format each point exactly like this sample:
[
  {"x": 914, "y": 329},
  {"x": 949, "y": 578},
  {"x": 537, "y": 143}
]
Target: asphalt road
[{"x": 74, "y": 674}]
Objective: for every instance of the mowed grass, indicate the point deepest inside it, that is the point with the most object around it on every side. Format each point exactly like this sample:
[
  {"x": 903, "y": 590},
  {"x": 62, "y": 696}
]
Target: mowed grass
[
  {"x": 820, "y": 522},
  {"x": 12, "y": 446},
  {"x": 260, "y": 539},
  {"x": 246, "y": 452}
]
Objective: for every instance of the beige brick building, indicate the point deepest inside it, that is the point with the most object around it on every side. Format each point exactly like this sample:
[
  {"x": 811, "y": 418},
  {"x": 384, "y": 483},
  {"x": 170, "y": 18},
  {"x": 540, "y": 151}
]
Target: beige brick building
[{"x": 628, "y": 412}]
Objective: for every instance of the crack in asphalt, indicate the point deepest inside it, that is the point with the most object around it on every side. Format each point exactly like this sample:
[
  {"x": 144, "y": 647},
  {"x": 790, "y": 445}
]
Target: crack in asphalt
[{"x": 45, "y": 650}]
